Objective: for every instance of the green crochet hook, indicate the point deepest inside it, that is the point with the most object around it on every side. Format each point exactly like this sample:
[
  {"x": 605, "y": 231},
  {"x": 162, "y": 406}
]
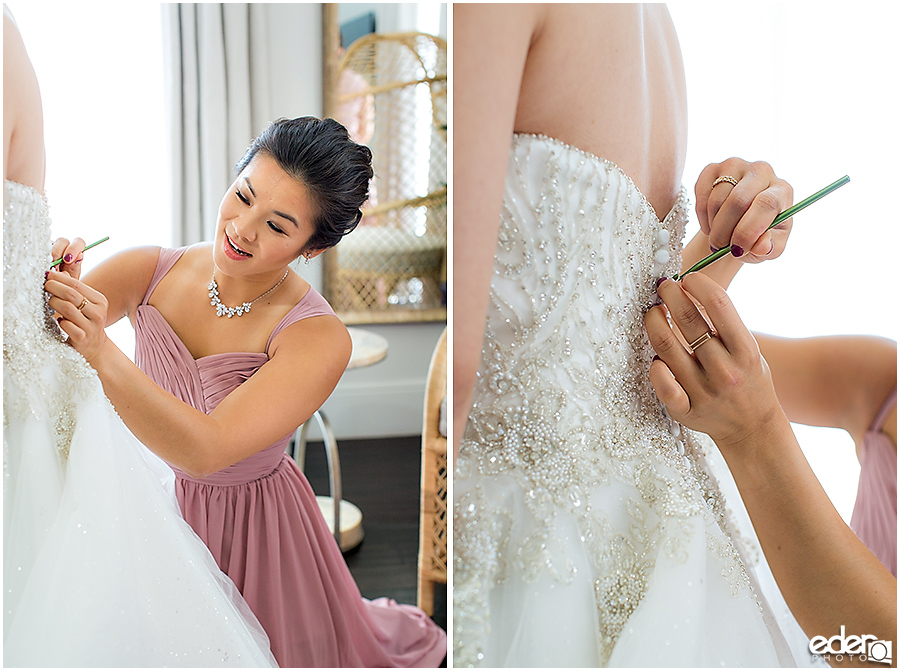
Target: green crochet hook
[
  {"x": 787, "y": 214},
  {"x": 93, "y": 244}
]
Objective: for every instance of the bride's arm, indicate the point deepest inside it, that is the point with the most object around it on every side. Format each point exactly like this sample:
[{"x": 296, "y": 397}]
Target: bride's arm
[
  {"x": 490, "y": 47},
  {"x": 268, "y": 406},
  {"x": 23, "y": 121},
  {"x": 23, "y": 129}
]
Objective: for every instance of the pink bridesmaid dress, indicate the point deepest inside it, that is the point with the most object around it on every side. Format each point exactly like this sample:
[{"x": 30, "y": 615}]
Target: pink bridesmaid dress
[
  {"x": 260, "y": 520},
  {"x": 874, "y": 517}
]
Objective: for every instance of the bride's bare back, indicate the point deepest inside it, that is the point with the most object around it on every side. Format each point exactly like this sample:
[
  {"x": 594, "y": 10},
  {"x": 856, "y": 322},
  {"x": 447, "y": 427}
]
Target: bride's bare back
[
  {"x": 609, "y": 79},
  {"x": 606, "y": 78}
]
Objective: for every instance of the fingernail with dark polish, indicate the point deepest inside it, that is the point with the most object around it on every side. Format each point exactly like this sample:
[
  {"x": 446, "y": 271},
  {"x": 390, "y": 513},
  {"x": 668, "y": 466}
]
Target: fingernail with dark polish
[
  {"x": 713, "y": 249},
  {"x": 656, "y": 357},
  {"x": 47, "y": 276},
  {"x": 67, "y": 258},
  {"x": 737, "y": 251},
  {"x": 660, "y": 281}
]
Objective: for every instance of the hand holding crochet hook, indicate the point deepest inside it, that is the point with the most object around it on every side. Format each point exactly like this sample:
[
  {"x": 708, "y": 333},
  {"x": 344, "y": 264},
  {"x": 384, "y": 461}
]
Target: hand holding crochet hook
[
  {"x": 69, "y": 255},
  {"x": 736, "y": 201},
  {"x": 711, "y": 375},
  {"x": 735, "y": 249},
  {"x": 760, "y": 202}
]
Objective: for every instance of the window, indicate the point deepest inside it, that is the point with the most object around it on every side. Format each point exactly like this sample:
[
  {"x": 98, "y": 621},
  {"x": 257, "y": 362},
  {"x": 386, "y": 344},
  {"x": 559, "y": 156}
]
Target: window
[{"x": 100, "y": 70}]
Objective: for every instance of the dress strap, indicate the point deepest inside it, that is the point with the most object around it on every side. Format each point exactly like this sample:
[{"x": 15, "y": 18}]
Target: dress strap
[
  {"x": 167, "y": 259},
  {"x": 889, "y": 404},
  {"x": 311, "y": 305}
]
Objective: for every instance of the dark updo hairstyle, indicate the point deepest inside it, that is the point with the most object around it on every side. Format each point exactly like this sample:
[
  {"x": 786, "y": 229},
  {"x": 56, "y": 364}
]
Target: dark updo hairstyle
[{"x": 320, "y": 154}]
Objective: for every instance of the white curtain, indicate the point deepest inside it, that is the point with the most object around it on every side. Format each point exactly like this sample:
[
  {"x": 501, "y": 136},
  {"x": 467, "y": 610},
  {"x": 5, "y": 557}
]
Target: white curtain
[{"x": 218, "y": 101}]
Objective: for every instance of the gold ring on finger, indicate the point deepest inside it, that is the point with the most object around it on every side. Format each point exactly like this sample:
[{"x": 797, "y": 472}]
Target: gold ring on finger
[
  {"x": 84, "y": 302},
  {"x": 699, "y": 341},
  {"x": 724, "y": 178}
]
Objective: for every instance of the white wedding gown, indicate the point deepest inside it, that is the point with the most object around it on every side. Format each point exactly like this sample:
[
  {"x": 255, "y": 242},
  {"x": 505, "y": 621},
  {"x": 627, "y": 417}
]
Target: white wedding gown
[
  {"x": 589, "y": 529},
  {"x": 99, "y": 567}
]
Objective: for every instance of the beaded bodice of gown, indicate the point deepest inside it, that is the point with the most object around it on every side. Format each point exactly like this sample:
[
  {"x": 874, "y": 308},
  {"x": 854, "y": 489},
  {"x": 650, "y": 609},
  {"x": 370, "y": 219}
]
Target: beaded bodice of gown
[
  {"x": 563, "y": 411},
  {"x": 31, "y": 340}
]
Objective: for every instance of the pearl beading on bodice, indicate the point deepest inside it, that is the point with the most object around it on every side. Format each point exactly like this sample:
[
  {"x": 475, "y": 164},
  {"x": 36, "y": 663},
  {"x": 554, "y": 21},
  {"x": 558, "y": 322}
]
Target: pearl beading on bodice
[
  {"x": 42, "y": 376},
  {"x": 563, "y": 403}
]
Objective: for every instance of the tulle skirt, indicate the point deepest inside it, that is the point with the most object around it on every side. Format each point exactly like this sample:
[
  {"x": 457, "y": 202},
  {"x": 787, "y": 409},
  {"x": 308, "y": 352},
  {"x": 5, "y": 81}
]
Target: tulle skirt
[
  {"x": 100, "y": 568},
  {"x": 690, "y": 612}
]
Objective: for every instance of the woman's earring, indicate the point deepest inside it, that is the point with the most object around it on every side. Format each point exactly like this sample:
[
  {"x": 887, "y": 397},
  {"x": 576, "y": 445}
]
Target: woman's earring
[{"x": 306, "y": 259}]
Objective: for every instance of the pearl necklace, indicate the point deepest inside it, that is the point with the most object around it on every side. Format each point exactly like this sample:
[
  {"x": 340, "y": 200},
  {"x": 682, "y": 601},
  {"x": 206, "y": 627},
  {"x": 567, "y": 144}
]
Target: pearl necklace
[{"x": 223, "y": 310}]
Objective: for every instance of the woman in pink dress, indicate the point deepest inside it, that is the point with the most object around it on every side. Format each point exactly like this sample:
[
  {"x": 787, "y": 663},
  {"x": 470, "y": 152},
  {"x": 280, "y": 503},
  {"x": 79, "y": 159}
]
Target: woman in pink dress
[{"x": 235, "y": 351}]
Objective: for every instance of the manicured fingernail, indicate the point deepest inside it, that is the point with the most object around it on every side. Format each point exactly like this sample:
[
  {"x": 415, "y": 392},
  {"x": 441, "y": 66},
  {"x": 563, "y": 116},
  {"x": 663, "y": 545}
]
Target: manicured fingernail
[
  {"x": 47, "y": 276},
  {"x": 713, "y": 249},
  {"x": 67, "y": 258},
  {"x": 660, "y": 281},
  {"x": 79, "y": 260},
  {"x": 737, "y": 251},
  {"x": 656, "y": 357},
  {"x": 772, "y": 248}
]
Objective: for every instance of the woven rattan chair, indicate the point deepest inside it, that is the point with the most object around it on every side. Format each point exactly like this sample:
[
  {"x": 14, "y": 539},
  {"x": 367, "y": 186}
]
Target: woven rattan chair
[
  {"x": 393, "y": 97},
  {"x": 433, "y": 516}
]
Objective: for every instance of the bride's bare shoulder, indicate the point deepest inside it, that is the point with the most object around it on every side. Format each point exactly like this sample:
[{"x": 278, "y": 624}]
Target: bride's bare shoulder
[
  {"x": 23, "y": 128},
  {"x": 495, "y": 31}
]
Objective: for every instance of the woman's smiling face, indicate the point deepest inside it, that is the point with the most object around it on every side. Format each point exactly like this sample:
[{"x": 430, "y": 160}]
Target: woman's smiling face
[{"x": 265, "y": 220}]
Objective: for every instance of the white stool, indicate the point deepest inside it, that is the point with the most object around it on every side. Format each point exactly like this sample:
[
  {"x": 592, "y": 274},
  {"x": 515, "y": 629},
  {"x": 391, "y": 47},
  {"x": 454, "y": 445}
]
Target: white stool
[{"x": 344, "y": 518}]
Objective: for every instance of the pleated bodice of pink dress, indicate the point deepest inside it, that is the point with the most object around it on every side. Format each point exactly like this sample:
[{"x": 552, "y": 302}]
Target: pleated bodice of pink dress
[
  {"x": 874, "y": 517},
  {"x": 260, "y": 519}
]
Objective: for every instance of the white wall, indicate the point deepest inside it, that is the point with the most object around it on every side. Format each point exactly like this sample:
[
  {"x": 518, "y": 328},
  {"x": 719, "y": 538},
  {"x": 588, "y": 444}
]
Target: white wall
[
  {"x": 426, "y": 17},
  {"x": 386, "y": 399}
]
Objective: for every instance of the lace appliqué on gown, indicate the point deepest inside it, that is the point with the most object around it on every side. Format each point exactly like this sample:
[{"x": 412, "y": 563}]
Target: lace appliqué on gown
[
  {"x": 30, "y": 336},
  {"x": 565, "y": 423}
]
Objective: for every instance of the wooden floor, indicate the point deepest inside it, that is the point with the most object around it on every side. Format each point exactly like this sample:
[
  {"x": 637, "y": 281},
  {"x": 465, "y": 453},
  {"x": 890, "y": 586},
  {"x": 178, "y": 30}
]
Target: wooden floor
[{"x": 381, "y": 477}]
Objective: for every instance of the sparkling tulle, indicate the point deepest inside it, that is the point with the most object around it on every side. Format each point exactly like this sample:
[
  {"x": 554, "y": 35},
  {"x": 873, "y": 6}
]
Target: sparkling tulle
[{"x": 100, "y": 569}]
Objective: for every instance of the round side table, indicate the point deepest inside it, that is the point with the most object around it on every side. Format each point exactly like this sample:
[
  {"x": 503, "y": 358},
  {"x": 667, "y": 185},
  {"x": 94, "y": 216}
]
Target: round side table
[{"x": 343, "y": 518}]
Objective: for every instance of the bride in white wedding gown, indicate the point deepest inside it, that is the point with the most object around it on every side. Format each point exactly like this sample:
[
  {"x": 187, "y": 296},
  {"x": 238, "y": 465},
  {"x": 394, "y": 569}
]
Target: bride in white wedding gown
[
  {"x": 99, "y": 567},
  {"x": 589, "y": 528}
]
